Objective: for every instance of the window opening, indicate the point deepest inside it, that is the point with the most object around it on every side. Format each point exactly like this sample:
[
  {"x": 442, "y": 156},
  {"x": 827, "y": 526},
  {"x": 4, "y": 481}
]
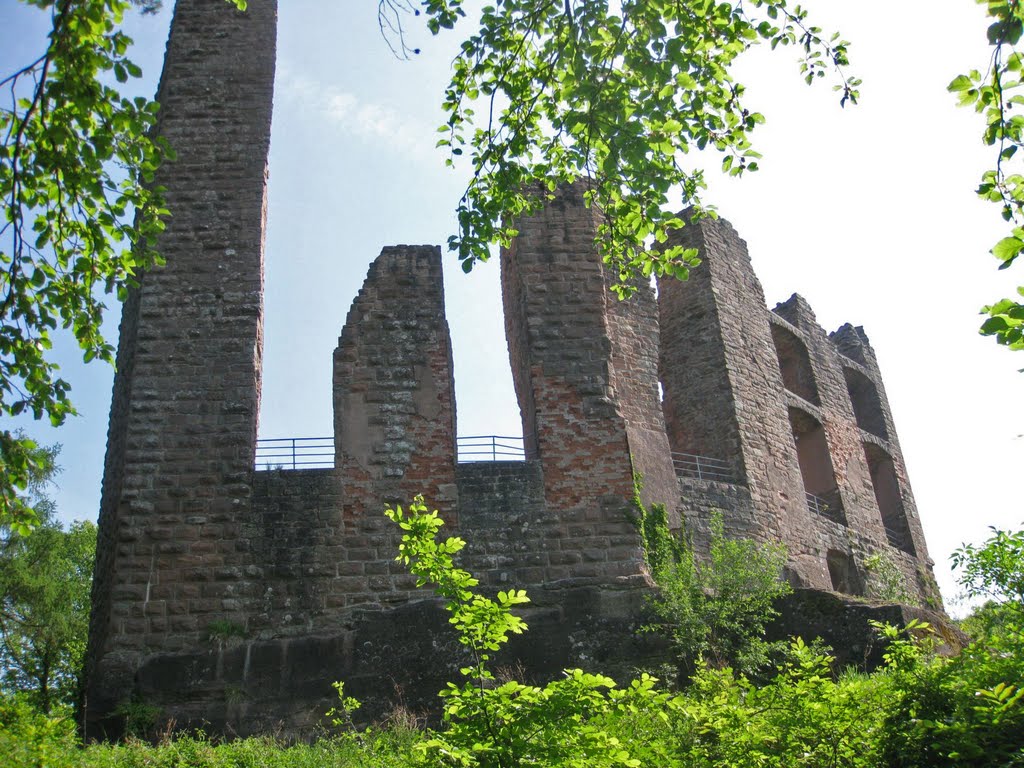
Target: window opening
[
  {"x": 889, "y": 498},
  {"x": 816, "y": 468},
  {"x": 795, "y": 365},
  {"x": 867, "y": 405}
]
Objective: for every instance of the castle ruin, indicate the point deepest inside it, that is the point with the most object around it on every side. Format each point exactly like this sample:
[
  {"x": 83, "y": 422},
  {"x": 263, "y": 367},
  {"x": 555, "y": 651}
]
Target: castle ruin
[{"x": 233, "y": 597}]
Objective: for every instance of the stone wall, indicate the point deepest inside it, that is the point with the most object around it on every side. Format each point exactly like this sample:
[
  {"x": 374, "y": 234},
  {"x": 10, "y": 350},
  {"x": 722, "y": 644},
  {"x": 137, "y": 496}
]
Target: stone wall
[
  {"x": 801, "y": 417},
  {"x": 724, "y": 394},
  {"x": 231, "y": 599},
  {"x": 176, "y": 485},
  {"x": 394, "y": 397},
  {"x": 561, "y": 346}
]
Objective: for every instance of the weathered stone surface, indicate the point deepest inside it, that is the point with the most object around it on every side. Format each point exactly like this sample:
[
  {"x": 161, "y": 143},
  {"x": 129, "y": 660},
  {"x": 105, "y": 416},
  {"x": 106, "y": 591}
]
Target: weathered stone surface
[
  {"x": 585, "y": 373},
  {"x": 394, "y": 396},
  {"x": 186, "y": 394},
  {"x": 403, "y": 655},
  {"x": 232, "y": 599},
  {"x": 794, "y": 413},
  {"x": 724, "y": 394},
  {"x": 844, "y": 624}
]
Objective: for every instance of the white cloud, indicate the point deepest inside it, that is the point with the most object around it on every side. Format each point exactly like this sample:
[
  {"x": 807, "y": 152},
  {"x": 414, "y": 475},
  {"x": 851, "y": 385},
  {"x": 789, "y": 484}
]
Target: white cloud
[{"x": 376, "y": 123}]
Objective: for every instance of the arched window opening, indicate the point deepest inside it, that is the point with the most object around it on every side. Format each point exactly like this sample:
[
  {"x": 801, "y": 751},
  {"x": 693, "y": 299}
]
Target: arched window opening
[
  {"x": 867, "y": 405},
  {"x": 816, "y": 466},
  {"x": 889, "y": 498},
  {"x": 795, "y": 365}
]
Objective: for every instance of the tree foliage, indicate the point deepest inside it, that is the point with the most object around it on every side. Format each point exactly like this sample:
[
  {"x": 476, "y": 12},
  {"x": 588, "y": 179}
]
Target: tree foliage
[
  {"x": 968, "y": 710},
  {"x": 997, "y": 94},
  {"x": 26, "y": 468},
  {"x": 994, "y": 570},
  {"x": 45, "y": 581},
  {"x": 618, "y": 93}
]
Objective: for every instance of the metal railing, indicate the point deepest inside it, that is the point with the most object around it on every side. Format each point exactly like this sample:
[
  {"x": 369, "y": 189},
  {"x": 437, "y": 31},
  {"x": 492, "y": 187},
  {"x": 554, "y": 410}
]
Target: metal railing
[
  {"x": 489, "y": 448},
  {"x": 901, "y": 539},
  {"x": 295, "y": 453},
  {"x": 703, "y": 467},
  {"x": 318, "y": 452},
  {"x": 818, "y": 505}
]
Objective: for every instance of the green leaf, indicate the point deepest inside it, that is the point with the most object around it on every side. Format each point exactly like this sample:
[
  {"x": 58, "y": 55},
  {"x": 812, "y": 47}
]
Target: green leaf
[
  {"x": 960, "y": 83},
  {"x": 1008, "y": 248}
]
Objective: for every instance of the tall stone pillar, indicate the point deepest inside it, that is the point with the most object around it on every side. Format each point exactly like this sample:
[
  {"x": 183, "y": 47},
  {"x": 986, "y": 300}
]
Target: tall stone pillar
[
  {"x": 394, "y": 392},
  {"x": 584, "y": 367},
  {"x": 901, "y": 523},
  {"x": 177, "y": 478}
]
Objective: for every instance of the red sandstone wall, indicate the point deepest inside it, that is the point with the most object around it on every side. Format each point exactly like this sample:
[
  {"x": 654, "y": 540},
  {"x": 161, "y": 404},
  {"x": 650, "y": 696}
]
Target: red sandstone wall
[
  {"x": 394, "y": 396},
  {"x": 186, "y": 397},
  {"x": 724, "y": 392},
  {"x": 577, "y": 387}
]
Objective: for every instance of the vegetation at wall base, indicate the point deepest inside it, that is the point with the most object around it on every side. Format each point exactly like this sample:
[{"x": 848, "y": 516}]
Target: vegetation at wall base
[
  {"x": 715, "y": 609},
  {"x": 918, "y": 710},
  {"x": 885, "y": 581}
]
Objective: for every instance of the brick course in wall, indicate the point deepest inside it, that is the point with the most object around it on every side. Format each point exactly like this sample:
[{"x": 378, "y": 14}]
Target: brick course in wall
[{"x": 231, "y": 599}]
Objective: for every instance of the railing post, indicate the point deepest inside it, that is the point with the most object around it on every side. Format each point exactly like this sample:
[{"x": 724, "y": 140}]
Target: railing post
[{"x": 293, "y": 453}]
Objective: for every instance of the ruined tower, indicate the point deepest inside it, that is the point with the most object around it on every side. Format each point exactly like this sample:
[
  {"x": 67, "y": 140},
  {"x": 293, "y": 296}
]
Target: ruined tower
[
  {"x": 585, "y": 371},
  {"x": 231, "y": 597},
  {"x": 795, "y": 423}
]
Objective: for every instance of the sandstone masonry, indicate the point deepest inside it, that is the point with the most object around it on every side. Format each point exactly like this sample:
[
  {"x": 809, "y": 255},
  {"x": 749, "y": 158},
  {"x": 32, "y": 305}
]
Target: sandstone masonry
[{"x": 232, "y": 598}]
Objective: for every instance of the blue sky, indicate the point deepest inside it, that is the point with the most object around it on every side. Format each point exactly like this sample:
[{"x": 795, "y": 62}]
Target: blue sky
[{"x": 868, "y": 212}]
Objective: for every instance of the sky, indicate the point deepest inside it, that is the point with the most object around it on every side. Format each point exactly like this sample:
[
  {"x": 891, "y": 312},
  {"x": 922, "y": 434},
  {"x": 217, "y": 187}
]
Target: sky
[{"x": 868, "y": 212}]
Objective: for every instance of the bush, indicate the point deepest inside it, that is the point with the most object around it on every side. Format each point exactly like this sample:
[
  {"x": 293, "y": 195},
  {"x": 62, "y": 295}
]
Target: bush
[
  {"x": 715, "y": 610},
  {"x": 29, "y": 738},
  {"x": 510, "y": 724},
  {"x": 968, "y": 710},
  {"x": 197, "y": 751}
]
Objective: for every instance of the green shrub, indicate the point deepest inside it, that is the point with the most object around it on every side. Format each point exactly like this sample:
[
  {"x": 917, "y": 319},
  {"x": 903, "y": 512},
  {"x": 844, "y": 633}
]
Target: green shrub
[
  {"x": 197, "y": 751},
  {"x": 510, "y": 724},
  {"x": 802, "y": 717},
  {"x": 885, "y": 580},
  {"x": 139, "y": 718},
  {"x": 29, "y": 738},
  {"x": 968, "y": 710},
  {"x": 714, "y": 610},
  {"x": 957, "y": 712}
]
